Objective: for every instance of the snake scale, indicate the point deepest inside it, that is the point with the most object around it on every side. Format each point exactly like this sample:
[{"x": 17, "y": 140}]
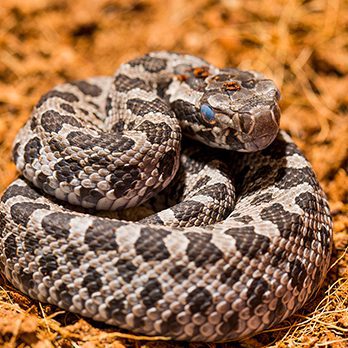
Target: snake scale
[{"x": 241, "y": 233}]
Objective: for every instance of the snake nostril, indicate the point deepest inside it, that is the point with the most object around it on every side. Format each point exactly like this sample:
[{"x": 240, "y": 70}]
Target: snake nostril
[{"x": 277, "y": 94}]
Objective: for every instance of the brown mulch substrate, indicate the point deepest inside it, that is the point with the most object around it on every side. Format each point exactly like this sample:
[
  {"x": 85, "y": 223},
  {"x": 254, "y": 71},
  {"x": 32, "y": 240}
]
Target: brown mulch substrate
[{"x": 302, "y": 45}]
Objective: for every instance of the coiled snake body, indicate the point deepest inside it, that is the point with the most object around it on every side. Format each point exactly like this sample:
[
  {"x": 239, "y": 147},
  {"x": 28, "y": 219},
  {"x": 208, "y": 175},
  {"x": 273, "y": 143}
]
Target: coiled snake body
[{"x": 245, "y": 243}]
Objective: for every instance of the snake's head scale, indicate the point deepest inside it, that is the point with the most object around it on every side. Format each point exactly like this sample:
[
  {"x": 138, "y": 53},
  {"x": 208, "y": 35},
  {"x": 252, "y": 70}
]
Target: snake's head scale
[{"x": 240, "y": 109}]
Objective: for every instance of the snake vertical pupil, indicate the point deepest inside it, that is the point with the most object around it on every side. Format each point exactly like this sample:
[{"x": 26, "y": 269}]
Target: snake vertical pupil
[{"x": 208, "y": 113}]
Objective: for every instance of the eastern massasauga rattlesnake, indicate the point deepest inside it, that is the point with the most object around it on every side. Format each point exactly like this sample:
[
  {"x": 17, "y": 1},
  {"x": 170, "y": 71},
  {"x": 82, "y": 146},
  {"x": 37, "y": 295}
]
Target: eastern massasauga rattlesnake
[{"x": 245, "y": 243}]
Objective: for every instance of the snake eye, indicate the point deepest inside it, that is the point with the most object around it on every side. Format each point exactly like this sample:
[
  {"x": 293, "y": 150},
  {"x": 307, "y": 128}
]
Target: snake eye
[{"x": 208, "y": 114}]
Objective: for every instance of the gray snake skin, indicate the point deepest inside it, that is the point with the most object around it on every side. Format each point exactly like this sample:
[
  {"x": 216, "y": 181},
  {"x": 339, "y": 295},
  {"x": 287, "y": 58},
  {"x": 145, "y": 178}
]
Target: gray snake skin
[{"x": 241, "y": 232}]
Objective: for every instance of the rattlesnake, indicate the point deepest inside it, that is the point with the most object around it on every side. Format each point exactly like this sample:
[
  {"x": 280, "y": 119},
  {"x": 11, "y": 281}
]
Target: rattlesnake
[{"x": 245, "y": 243}]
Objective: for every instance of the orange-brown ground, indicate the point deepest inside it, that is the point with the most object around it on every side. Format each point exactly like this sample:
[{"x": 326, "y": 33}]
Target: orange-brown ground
[{"x": 303, "y": 45}]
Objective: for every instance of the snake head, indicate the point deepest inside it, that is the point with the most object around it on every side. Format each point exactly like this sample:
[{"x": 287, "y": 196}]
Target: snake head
[{"x": 239, "y": 110}]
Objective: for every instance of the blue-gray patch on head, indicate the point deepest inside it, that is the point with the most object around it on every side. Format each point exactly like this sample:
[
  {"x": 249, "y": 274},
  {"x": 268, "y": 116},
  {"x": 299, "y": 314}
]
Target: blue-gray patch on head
[{"x": 207, "y": 113}]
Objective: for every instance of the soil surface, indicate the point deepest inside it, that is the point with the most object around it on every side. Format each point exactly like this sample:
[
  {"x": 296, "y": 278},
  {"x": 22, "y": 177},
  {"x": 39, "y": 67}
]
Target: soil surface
[{"x": 302, "y": 45}]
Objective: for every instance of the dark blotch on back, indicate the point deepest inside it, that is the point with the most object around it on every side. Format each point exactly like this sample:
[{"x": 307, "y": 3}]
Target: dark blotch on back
[
  {"x": 56, "y": 145},
  {"x": 280, "y": 217},
  {"x": 231, "y": 275},
  {"x": 124, "y": 83},
  {"x": 151, "y": 64},
  {"x": 218, "y": 192},
  {"x": 201, "y": 251},
  {"x": 88, "y": 88},
  {"x": 84, "y": 111},
  {"x": 262, "y": 198},
  {"x": 31, "y": 243},
  {"x": 21, "y": 212},
  {"x": 15, "y": 153},
  {"x": 185, "y": 110},
  {"x": 255, "y": 292},
  {"x": 69, "y": 97},
  {"x": 10, "y": 247},
  {"x": 32, "y": 150},
  {"x": 262, "y": 173},
  {"x": 202, "y": 182},
  {"x": 101, "y": 235},
  {"x": 157, "y": 133},
  {"x": 199, "y": 300},
  {"x": 162, "y": 87},
  {"x": 64, "y": 295},
  {"x": 298, "y": 273},
  {"x": 118, "y": 127},
  {"x": 90, "y": 195},
  {"x": 142, "y": 107},
  {"x": 307, "y": 201},
  {"x": 105, "y": 141},
  {"x": 67, "y": 169},
  {"x": 57, "y": 224},
  {"x": 248, "y": 242},
  {"x": 292, "y": 177},
  {"x": 187, "y": 210},
  {"x": 68, "y": 108},
  {"x": 2, "y": 223},
  {"x": 150, "y": 244},
  {"x": 26, "y": 278},
  {"x": 115, "y": 308},
  {"x": 108, "y": 105},
  {"x": 180, "y": 273},
  {"x": 52, "y": 121},
  {"x": 166, "y": 163},
  {"x": 17, "y": 190},
  {"x": 92, "y": 280},
  {"x": 126, "y": 269},
  {"x": 326, "y": 239},
  {"x": 245, "y": 219},
  {"x": 313, "y": 206},
  {"x": 124, "y": 178},
  {"x": 48, "y": 264},
  {"x": 151, "y": 293},
  {"x": 74, "y": 255},
  {"x": 153, "y": 219},
  {"x": 33, "y": 122}
]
